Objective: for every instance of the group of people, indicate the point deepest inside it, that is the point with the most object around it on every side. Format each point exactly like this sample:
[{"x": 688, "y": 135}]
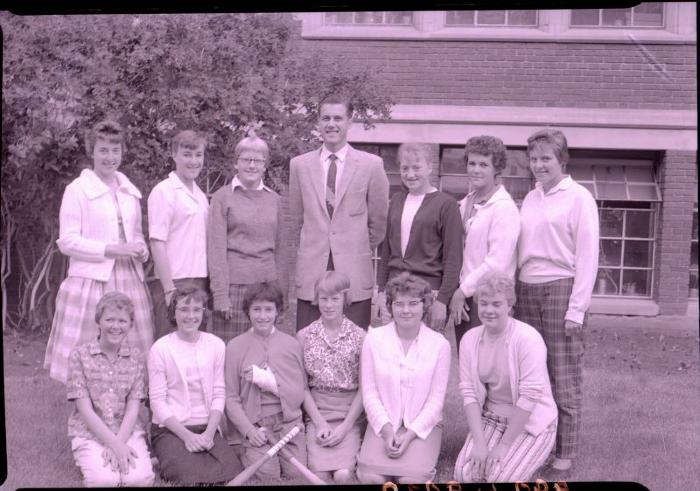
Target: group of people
[{"x": 222, "y": 383}]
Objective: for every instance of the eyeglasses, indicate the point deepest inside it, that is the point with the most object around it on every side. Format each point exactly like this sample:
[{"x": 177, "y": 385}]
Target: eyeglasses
[
  {"x": 192, "y": 310},
  {"x": 251, "y": 161}
]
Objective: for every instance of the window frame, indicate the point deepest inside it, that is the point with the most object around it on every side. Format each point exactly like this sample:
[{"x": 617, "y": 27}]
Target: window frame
[
  {"x": 600, "y": 24},
  {"x": 476, "y": 25}
]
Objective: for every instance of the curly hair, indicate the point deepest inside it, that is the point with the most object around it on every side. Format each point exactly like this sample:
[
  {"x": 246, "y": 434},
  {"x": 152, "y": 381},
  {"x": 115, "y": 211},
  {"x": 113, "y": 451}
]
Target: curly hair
[
  {"x": 410, "y": 285},
  {"x": 496, "y": 282},
  {"x": 488, "y": 145}
]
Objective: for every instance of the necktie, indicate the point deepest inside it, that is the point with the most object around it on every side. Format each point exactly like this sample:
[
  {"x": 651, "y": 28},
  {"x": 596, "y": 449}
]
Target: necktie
[{"x": 330, "y": 184}]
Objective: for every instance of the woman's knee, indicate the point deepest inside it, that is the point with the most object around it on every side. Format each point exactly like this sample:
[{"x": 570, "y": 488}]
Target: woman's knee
[
  {"x": 370, "y": 478},
  {"x": 142, "y": 476},
  {"x": 105, "y": 478},
  {"x": 342, "y": 475}
]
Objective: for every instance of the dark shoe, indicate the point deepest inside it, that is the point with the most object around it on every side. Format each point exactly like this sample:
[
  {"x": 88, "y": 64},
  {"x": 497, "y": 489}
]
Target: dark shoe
[{"x": 550, "y": 474}]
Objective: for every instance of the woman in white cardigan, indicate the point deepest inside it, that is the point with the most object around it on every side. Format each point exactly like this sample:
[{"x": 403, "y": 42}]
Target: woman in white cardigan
[
  {"x": 508, "y": 401},
  {"x": 491, "y": 226},
  {"x": 403, "y": 376},
  {"x": 187, "y": 396},
  {"x": 100, "y": 231}
]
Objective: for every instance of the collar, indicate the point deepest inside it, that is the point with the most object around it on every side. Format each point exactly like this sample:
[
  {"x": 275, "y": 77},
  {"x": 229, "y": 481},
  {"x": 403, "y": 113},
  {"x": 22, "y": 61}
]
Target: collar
[
  {"x": 272, "y": 331},
  {"x": 508, "y": 334},
  {"x": 177, "y": 183},
  {"x": 93, "y": 187},
  {"x": 562, "y": 185},
  {"x": 341, "y": 154},
  {"x": 417, "y": 340},
  {"x": 94, "y": 348},
  {"x": 343, "y": 331},
  {"x": 236, "y": 183}
]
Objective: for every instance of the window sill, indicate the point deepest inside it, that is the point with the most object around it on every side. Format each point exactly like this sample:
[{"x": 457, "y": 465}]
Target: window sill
[{"x": 624, "y": 306}]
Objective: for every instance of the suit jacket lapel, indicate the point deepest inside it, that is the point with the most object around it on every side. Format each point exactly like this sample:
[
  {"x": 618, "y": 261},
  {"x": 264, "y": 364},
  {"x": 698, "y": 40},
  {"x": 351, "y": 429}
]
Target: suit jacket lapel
[
  {"x": 349, "y": 170},
  {"x": 316, "y": 178}
]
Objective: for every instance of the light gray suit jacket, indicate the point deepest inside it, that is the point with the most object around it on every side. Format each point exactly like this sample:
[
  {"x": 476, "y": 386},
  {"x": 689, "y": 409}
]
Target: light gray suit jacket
[{"x": 358, "y": 224}]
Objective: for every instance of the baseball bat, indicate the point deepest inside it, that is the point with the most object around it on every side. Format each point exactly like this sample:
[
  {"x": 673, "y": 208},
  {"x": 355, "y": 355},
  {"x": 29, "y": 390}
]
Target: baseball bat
[
  {"x": 306, "y": 472},
  {"x": 248, "y": 472}
]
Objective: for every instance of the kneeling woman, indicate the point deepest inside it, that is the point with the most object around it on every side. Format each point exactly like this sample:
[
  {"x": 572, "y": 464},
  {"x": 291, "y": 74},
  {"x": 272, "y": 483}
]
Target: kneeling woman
[
  {"x": 265, "y": 384},
  {"x": 403, "y": 377},
  {"x": 331, "y": 346},
  {"x": 187, "y": 395},
  {"x": 503, "y": 377}
]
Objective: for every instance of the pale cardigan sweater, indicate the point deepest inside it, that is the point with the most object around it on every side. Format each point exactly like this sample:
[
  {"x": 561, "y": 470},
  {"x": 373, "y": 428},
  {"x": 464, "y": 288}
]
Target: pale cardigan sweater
[
  {"x": 167, "y": 382},
  {"x": 490, "y": 244},
  {"x": 88, "y": 222},
  {"x": 527, "y": 370},
  {"x": 380, "y": 380}
]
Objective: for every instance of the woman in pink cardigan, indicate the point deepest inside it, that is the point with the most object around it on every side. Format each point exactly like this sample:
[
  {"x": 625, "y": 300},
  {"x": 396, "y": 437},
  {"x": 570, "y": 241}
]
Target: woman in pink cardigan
[{"x": 403, "y": 375}]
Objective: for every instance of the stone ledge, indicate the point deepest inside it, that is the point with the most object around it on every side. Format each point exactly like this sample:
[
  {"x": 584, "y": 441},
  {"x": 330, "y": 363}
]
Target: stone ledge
[{"x": 624, "y": 306}]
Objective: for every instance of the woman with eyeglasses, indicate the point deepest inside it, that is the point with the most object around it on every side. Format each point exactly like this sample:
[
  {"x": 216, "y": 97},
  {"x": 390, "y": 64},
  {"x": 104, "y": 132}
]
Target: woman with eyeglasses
[
  {"x": 187, "y": 395},
  {"x": 404, "y": 367},
  {"x": 243, "y": 237}
]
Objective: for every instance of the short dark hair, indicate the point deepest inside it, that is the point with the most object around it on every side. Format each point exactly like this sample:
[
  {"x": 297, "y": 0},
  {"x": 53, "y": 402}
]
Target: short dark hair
[
  {"x": 108, "y": 130},
  {"x": 488, "y": 145},
  {"x": 267, "y": 291},
  {"x": 336, "y": 98},
  {"x": 188, "y": 292},
  {"x": 409, "y": 284}
]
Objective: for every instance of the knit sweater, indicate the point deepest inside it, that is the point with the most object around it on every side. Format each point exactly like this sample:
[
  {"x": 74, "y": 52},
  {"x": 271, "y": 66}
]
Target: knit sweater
[
  {"x": 282, "y": 353},
  {"x": 434, "y": 250},
  {"x": 242, "y": 239}
]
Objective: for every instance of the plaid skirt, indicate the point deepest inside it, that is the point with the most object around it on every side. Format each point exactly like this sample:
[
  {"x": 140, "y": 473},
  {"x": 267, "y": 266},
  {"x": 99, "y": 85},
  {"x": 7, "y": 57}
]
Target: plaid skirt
[
  {"x": 239, "y": 322},
  {"x": 74, "y": 321}
]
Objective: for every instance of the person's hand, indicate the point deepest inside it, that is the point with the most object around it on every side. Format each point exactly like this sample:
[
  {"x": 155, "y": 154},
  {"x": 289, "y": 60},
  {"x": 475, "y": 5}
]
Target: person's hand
[
  {"x": 337, "y": 435},
  {"x": 226, "y": 312},
  {"x": 323, "y": 431},
  {"x": 438, "y": 315},
  {"x": 257, "y": 437},
  {"x": 129, "y": 249},
  {"x": 193, "y": 442},
  {"x": 401, "y": 443},
  {"x": 387, "y": 434},
  {"x": 248, "y": 373},
  {"x": 108, "y": 459},
  {"x": 206, "y": 440},
  {"x": 124, "y": 455},
  {"x": 142, "y": 252},
  {"x": 495, "y": 458},
  {"x": 459, "y": 309},
  {"x": 571, "y": 327},
  {"x": 478, "y": 459}
]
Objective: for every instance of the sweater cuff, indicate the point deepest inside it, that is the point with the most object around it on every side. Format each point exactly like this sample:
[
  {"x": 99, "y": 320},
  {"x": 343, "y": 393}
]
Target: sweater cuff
[
  {"x": 574, "y": 316},
  {"x": 525, "y": 404},
  {"x": 221, "y": 300},
  {"x": 218, "y": 404}
]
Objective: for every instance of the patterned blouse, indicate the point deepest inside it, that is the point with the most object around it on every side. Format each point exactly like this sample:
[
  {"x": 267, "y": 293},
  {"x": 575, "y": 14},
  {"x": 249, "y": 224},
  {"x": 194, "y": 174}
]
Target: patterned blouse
[
  {"x": 333, "y": 366},
  {"x": 108, "y": 385}
]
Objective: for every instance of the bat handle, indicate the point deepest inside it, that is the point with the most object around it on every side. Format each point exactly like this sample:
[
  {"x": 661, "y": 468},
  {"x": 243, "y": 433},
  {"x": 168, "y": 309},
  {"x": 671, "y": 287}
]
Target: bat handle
[{"x": 292, "y": 433}]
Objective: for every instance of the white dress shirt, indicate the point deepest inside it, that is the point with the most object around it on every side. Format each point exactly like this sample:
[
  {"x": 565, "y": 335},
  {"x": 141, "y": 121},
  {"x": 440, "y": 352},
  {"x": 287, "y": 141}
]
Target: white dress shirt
[{"x": 339, "y": 163}]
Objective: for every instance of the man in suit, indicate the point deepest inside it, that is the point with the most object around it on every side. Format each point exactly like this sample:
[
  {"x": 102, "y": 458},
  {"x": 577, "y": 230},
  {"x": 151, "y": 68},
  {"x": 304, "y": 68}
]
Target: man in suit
[{"x": 338, "y": 202}]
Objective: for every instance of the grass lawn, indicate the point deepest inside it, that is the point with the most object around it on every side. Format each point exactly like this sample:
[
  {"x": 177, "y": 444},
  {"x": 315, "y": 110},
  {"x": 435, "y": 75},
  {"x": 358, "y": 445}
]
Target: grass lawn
[{"x": 641, "y": 397}]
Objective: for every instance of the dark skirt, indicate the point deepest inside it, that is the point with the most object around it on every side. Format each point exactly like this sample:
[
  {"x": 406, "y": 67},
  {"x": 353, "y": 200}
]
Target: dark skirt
[
  {"x": 178, "y": 465},
  {"x": 238, "y": 323}
]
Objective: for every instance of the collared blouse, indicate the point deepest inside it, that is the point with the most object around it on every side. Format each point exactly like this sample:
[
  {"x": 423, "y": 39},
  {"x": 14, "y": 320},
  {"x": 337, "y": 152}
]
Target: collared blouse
[
  {"x": 333, "y": 366},
  {"x": 108, "y": 385}
]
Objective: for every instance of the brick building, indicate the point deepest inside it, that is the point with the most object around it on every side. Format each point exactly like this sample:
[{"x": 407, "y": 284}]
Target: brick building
[{"x": 620, "y": 83}]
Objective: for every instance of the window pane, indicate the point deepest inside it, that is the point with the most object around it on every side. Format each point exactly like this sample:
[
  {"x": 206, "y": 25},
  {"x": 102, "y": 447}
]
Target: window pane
[
  {"x": 367, "y": 147},
  {"x": 610, "y": 253},
  {"x": 636, "y": 282},
  {"x": 611, "y": 223},
  {"x": 638, "y": 253},
  {"x": 491, "y": 17},
  {"x": 640, "y": 173},
  {"x": 517, "y": 164},
  {"x": 607, "y": 282},
  {"x": 693, "y": 285},
  {"x": 609, "y": 173},
  {"x": 389, "y": 153},
  {"x": 639, "y": 224},
  {"x": 518, "y": 187},
  {"x": 694, "y": 233},
  {"x": 339, "y": 17},
  {"x": 644, "y": 192},
  {"x": 694, "y": 255},
  {"x": 649, "y": 14},
  {"x": 581, "y": 172},
  {"x": 394, "y": 183},
  {"x": 402, "y": 17},
  {"x": 617, "y": 17},
  {"x": 459, "y": 17},
  {"x": 369, "y": 17},
  {"x": 611, "y": 190},
  {"x": 584, "y": 17},
  {"x": 522, "y": 17},
  {"x": 455, "y": 185},
  {"x": 591, "y": 188},
  {"x": 452, "y": 161}
]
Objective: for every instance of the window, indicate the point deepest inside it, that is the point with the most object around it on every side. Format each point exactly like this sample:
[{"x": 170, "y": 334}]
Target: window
[
  {"x": 365, "y": 18},
  {"x": 649, "y": 14},
  {"x": 491, "y": 18},
  {"x": 389, "y": 153},
  {"x": 693, "y": 286}
]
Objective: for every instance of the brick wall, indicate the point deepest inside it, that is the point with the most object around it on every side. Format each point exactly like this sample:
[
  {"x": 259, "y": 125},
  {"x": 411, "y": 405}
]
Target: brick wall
[
  {"x": 679, "y": 191},
  {"x": 525, "y": 74}
]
